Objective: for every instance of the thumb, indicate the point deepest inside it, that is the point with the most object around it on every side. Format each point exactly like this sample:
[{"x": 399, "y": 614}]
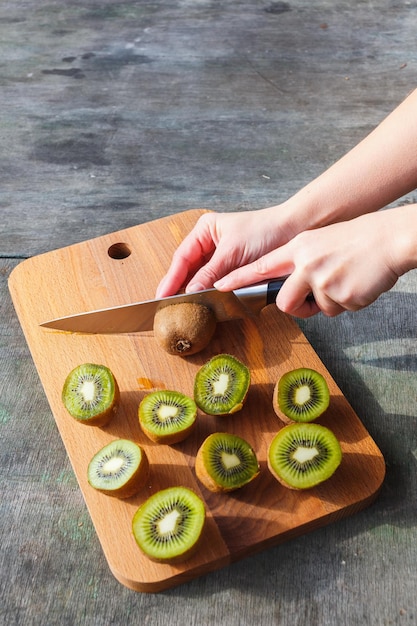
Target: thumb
[{"x": 275, "y": 264}]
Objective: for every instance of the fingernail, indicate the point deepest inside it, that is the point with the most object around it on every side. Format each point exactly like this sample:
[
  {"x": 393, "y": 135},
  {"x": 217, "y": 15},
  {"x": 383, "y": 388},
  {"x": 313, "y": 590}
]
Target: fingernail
[{"x": 193, "y": 287}]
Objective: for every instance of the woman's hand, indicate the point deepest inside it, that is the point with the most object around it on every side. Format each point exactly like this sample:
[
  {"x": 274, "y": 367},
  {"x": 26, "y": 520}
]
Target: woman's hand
[{"x": 346, "y": 266}]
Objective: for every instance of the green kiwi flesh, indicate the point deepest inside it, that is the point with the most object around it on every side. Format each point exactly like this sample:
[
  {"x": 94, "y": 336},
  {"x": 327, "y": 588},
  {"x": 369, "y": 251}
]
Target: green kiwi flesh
[
  {"x": 301, "y": 395},
  {"x": 168, "y": 526},
  {"x": 185, "y": 328},
  {"x": 221, "y": 385},
  {"x": 167, "y": 416},
  {"x": 301, "y": 456},
  {"x": 120, "y": 469},
  {"x": 226, "y": 462},
  {"x": 91, "y": 394}
]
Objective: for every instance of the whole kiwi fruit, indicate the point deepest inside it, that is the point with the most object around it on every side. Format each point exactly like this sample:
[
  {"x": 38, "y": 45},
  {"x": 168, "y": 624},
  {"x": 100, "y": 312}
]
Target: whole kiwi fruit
[
  {"x": 120, "y": 469},
  {"x": 185, "y": 328},
  {"x": 168, "y": 526},
  {"x": 91, "y": 394},
  {"x": 301, "y": 456}
]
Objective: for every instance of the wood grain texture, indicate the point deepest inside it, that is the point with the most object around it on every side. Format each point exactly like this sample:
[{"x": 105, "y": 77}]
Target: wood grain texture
[{"x": 83, "y": 277}]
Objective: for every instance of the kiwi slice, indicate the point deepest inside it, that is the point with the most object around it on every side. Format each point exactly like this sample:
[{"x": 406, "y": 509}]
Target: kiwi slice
[
  {"x": 167, "y": 416},
  {"x": 185, "y": 328},
  {"x": 221, "y": 385},
  {"x": 301, "y": 456},
  {"x": 120, "y": 468},
  {"x": 169, "y": 524},
  {"x": 226, "y": 462},
  {"x": 301, "y": 395},
  {"x": 91, "y": 394}
]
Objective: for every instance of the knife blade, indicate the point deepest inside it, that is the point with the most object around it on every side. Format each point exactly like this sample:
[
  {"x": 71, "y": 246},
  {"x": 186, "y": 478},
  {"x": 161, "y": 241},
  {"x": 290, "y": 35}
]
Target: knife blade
[{"x": 139, "y": 316}]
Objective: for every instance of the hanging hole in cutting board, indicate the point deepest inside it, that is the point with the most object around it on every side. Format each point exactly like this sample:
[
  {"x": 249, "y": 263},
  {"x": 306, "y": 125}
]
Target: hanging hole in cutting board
[{"x": 119, "y": 251}]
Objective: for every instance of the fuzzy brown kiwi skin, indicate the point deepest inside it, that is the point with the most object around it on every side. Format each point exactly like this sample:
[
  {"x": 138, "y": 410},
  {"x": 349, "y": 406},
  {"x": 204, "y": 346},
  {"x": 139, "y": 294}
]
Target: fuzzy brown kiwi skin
[{"x": 185, "y": 328}]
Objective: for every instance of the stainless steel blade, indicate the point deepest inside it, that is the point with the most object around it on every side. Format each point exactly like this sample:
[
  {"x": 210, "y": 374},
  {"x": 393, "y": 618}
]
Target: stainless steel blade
[{"x": 139, "y": 316}]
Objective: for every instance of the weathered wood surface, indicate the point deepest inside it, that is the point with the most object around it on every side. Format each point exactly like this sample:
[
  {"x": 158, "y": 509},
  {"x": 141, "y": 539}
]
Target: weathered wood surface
[{"x": 115, "y": 113}]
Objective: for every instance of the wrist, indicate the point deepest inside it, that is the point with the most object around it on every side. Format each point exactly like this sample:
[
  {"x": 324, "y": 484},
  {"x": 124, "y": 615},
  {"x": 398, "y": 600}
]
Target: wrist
[{"x": 402, "y": 232}]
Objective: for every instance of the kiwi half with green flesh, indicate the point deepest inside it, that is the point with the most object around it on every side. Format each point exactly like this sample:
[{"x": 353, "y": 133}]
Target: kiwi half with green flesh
[
  {"x": 221, "y": 385},
  {"x": 301, "y": 395},
  {"x": 301, "y": 456},
  {"x": 185, "y": 328},
  {"x": 120, "y": 469},
  {"x": 225, "y": 462},
  {"x": 168, "y": 526},
  {"x": 167, "y": 416},
  {"x": 91, "y": 394}
]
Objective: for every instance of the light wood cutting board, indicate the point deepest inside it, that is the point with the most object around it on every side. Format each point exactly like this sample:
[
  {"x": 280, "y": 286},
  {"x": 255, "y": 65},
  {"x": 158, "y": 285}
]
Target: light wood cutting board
[{"x": 126, "y": 266}]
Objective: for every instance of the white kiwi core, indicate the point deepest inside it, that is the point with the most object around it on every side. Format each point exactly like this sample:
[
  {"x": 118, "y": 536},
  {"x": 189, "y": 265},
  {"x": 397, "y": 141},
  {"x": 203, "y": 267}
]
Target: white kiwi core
[
  {"x": 113, "y": 465},
  {"x": 220, "y": 386},
  {"x": 302, "y": 395},
  {"x": 88, "y": 390},
  {"x": 166, "y": 412},
  {"x": 168, "y": 524},
  {"x": 303, "y": 454},
  {"x": 230, "y": 460}
]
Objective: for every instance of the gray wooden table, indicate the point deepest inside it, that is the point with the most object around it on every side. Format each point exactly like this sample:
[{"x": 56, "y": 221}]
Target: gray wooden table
[{"x": 114, "y": 113}]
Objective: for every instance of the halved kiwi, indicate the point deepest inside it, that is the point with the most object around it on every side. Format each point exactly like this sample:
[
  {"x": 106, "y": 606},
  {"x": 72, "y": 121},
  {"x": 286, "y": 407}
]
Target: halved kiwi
[
  {"x": 185, "y": 328},
  {"x": 226, "y": 462},
  {"x": 120, "y": 468},
  {"x": 301, "y": 395},
  {"x": 168, "y": 526},
  {"x": 221, "y": 385},
  {"x": 91, "y": 394},
  {"x": 167, "y": 416},
  {"x": 301, "y": 456}
]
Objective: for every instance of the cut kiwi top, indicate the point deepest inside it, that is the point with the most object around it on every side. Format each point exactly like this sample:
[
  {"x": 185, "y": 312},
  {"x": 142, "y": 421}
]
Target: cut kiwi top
[
  {"x": 301, "y": 395},
  {"x": 225, "y": 462},
  {"x": 120, "y": 469},
  {"x": 168, "y": 525},
  {"x": 167, "y": 416},
  {"x": 90, "y": 394},
  {"x": 301, "y": 456},
  {"x": 221, "y": 385}
]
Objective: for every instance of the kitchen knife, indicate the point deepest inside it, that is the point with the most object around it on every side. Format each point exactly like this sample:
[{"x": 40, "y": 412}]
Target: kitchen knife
[{"x": 139, "y": 316}]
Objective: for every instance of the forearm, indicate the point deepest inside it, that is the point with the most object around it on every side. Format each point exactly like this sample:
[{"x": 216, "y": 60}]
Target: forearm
[{"x": 377, "y": 171}]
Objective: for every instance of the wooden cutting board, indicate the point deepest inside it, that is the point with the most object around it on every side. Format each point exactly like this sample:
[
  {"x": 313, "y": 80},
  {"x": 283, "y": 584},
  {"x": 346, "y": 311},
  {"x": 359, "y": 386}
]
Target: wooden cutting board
[{"x": 126, "y": 266}]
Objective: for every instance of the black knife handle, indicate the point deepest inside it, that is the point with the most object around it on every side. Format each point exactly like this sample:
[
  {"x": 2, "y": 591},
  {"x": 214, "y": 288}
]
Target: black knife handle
[{"x": 274, "y": 287}]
